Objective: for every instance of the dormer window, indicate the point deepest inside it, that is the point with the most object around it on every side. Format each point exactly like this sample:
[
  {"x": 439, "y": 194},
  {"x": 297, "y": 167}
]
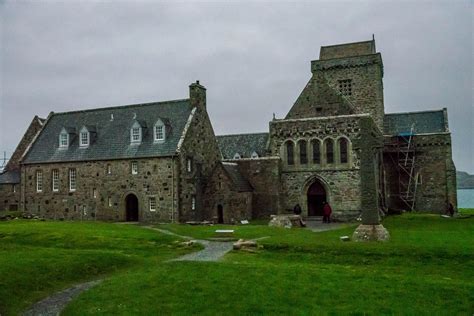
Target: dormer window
[
  {"x": 84, "y": 137},
  {"x": 237, "y": 156},
  {"x": 254, "y": 155},
  {"x": 159, "y": 131},
  {"x": 63, "y": 140},
  {"x": 136, "y": 133}
]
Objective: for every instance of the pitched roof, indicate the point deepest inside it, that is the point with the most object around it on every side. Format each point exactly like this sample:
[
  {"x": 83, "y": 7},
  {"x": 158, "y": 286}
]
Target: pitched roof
[
  {"x": 112, "y": 132},
  {"x": 240, "y": 183},
  {"x": 10, "y": 177},
  {"x": 422, "y": 122},
  {"x": 244, "y": 144}
]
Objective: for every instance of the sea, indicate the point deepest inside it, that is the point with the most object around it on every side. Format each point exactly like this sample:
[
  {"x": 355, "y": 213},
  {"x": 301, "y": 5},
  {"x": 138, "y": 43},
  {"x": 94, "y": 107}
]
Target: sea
[{"x": 466, "y": 198}]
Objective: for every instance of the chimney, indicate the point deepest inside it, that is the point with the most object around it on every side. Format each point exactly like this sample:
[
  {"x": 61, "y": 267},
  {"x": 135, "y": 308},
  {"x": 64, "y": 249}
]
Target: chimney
[{"x": 197, "y": 95}]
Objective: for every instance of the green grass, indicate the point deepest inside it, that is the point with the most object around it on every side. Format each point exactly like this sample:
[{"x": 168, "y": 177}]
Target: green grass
[
  {"x": 40, "y": 258},
  {"x": 426, "y": 268}
]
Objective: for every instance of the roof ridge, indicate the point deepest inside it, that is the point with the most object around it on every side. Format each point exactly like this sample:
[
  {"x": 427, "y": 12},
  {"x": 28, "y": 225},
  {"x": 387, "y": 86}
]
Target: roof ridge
[
  {"x": 121, "y": 106},
  {"x": 414, "y": 112},
  {"x": 242, "y": 134}
]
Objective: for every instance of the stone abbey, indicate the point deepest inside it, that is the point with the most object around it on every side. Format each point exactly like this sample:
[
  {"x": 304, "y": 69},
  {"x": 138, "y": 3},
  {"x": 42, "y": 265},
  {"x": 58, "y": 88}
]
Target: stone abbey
[{"x": 162, "y": 162}]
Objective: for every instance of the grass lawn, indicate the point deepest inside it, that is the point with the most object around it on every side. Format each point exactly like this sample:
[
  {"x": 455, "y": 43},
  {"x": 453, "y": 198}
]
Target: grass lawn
[
  {"x": 40, "y": 258},
  {"x": 426, "y": 268}
]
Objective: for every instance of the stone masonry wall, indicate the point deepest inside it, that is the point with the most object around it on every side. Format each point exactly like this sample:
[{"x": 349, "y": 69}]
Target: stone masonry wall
[
  {"x": 264, "y": 176},
  {"x": 201, "y": 148},
  {"x": 154, "y": 179},
  {"x": 220, "y": 190},
  {"x": 9, "y": 197}
]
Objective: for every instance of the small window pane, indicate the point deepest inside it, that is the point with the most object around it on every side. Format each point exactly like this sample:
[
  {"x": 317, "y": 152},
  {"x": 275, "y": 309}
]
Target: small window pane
[
  {"x": 159, "y": 132},
  {"x": 136, "y": 134},
  {"x": 289, "y": 153},
  {"x": 134, "y": 167},
  {"x": 39, "y": 181},
  {"x": 316, "y": 152},
  {"x": 55, "y": 180},
  {"x": 84, "y": 139},
  {"x": 72, "y": 179},
  {"x": 303, "y": 152},
  {"x": 152, "y": 204},
  {"x": 63, "y": 140},
  {"x": 343, "y": 150},
  {"x": 329, "y": 151}
]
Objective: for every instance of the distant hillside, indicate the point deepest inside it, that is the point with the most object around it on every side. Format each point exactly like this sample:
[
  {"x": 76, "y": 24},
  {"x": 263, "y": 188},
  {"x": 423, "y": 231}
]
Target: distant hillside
[{"x": 465, "y": 180}]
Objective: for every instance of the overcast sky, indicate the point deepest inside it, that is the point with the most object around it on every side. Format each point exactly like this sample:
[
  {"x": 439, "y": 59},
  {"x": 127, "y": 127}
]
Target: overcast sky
[{"x": 254, "y": 58}]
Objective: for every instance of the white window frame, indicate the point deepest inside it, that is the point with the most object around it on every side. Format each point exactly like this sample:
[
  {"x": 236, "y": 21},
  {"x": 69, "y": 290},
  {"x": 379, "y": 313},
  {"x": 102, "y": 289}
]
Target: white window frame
[
  {"x": 55, "y": 180},
  {"x": 14, "y": 188},
  {"x": 72, "y": 180},
  {"x": 160, "y": 133},
  {"x": 237, "y": 156},
  {"x": 39, "y": 181},
  {"x": 136, "y": 134},
  {"x": 189, "y": 165},
  {"x": 94, "y": 193},
  {"x": 152, "y": 204},
  {"x": 193, "y": 202},
  {"x": 109, "y": 169},
  {"x": 254, "y": 155},
  {"x": 84, "y": 141},
  {"x": 109, "y": 201},
  {"x": 134, "y": 167},
  {"x": 61, "y": 139}
]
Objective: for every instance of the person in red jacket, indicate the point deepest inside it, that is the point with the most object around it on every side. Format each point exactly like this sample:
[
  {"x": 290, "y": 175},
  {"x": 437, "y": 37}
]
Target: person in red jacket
[{"x": 327, "y": 213}]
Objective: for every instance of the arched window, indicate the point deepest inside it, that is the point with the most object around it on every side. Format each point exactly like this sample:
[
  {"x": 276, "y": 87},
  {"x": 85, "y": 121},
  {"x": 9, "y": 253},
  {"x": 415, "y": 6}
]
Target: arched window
[
  {"x": 289, "y": 153},
  {"x": 329, "y": 151},
  {"x": 303, "y": 152},
  {"x": 343, "y": 157},
  {"x": 316, "y": 149}
]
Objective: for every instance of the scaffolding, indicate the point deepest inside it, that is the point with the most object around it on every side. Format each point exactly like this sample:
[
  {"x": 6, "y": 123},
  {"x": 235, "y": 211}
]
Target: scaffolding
[{"x": 406, "y": 164}]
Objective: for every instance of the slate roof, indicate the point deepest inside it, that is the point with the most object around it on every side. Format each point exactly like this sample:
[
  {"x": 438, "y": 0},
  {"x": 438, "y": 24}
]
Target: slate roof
[
  {"x": 10, "y": 177},
  {"x": 244, "y": 144},
  {"x": 423, "y": 122},
  {"x": 240, "y": 183},
  {"x": 112, "y": 136}
]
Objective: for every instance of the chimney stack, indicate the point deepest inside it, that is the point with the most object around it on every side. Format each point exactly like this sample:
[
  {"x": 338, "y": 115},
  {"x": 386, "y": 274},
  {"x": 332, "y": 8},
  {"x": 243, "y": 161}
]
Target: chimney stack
[{"x": 197, "y": 95}]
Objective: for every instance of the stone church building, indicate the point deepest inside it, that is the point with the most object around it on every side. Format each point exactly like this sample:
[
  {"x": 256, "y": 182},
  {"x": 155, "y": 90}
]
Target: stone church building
[{"x": 162, "y": 162}]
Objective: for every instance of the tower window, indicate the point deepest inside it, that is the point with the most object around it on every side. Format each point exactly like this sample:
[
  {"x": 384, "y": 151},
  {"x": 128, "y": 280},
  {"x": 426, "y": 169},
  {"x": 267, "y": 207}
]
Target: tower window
[
  {"x": 329, "y": 151},
  {"x": 289, "y": 153},
  {"x": 303, "y": 152},
  {"x": 343, "y": 150},
  {"x": 345, "y": 87},
  {"x": 316, "y": 151}
]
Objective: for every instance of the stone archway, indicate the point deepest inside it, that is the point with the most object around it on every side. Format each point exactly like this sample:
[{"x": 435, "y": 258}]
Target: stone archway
[
  {"x": 131, "y": 208},
  {"x": 316, "y": 196}
]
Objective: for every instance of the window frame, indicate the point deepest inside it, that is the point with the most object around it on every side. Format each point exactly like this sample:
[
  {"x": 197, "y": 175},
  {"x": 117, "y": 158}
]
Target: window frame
[
  {"x": 290, "y": 157},
  {"x": 39, "y": 181},
  {"x": 72, "y": 179},
  {"x": 329, "y": 153},
  {"x": 189, "y": 164},
  {"x": 316, "y": 154},
  {"x": 340, "y": 142},
  {"x": 152, "y": 204},
  {"x": 303, "y": 152},
  {"x": 55, "y": 180},
  {"x": 66, "y": 143},
  {"x": 158, "y": 129},
  {"x": 133, "y": 134},
  {"x": 81, "y": 139},
  {"x": 134, "y": 167},
  {"x": 109, "y": 169},
  {"x": 345, "y": 87},
  {"x": 193, "y": 202}
]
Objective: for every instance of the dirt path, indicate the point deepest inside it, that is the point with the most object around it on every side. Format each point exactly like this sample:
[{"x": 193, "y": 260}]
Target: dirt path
[{"x": 54, "y": 304}]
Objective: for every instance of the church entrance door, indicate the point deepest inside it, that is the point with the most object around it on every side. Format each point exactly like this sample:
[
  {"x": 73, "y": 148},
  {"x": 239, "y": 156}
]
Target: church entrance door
[
  {"x": 131, "y": 208},
  {"x": 316, "y": 197}
]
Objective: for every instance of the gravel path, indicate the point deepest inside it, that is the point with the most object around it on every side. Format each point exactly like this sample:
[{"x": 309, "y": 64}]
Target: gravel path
[
  {"x": 213, "y": 250},
  {"x": 54, "y": 304}
]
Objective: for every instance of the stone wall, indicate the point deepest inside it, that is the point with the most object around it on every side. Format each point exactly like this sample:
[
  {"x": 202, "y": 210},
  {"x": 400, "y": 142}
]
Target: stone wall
[
  {"x": 9, "y": 197},
  {"x": 155, "y": 178},
  {"x": 436, "y": 174},
  {"x": 366, "y": 74},
  {"x": 347, "y": 50},
  {"x": 199, "y": 146},
  {"x": 220, "y": 191},
  {"x": 264, "y": 176}
]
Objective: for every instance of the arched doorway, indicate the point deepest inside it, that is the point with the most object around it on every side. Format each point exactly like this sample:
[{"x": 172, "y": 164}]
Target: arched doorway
[
  {"x": 316, "y": 198},
  {"x": 131, "y": 208},
  {"x": 220, "y": 214}
]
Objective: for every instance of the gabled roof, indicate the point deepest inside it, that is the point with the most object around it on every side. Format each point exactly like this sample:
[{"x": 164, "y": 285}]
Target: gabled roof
[
  {"x": 10, "y": 177},
  {"x": 422, "y": 122},
  {"x": 244, "y": 144},
  {"x": 112, "y": 126},
  {"x": 239, "y": 182}
]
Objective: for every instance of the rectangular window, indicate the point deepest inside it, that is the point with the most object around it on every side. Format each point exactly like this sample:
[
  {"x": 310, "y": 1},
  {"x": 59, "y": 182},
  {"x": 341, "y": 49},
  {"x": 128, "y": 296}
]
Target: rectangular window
[
  {"x": 109, "y": 169},
  {"x": 55, "y": 180},
  {"x": 39, "y": 181},
  {"x": 84, "y": 139},
  {"x": 136, "y": 134},
  {"x": 72, "y": 180},
  {"x": 63, "y": 140},
  {"x": 193, "y": 202},
  {"x": 159, "y": 134},
  {"x": 110, "y": 201},
  {"x": 189, "y": 165},
  {"x": 134, "y": 167},
  {"x": 14, "y": 188},
  {"x": 345, "y": 87},
  {"x": 152, "y": 204},
  {"x": 94, "y": 193}
]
